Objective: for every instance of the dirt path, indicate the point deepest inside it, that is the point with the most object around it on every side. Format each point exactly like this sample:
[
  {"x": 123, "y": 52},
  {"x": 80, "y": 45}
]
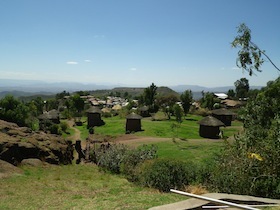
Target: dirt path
[
  {"x": 134, "y": 140},
  {"x": 77, "y": 134}
]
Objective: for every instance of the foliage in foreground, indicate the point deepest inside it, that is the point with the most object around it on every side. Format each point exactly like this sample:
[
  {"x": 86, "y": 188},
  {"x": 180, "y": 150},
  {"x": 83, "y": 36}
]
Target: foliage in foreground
[
  {"x": 165, "y": 174},
  {"x": 142, "y": 166},
  {"x": 118, "y": 158},
  {"x": 252, "y": 164}
]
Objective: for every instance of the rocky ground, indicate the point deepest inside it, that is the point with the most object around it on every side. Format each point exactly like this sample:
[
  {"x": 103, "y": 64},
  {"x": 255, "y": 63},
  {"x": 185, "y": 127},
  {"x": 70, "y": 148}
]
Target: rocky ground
[{"x": 19, "y": 143}]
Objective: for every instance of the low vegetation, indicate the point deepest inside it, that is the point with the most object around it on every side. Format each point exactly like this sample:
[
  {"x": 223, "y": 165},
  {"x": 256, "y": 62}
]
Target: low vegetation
[{"x": 76, "y": 187}]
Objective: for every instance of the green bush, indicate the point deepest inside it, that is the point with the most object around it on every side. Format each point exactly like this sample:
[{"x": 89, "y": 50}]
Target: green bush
[
  {"x": 109, "y": 157},
  {"x": 55, "y": 129},
  {"x": 135, "y": 157},
  {"x": 165, "y": 174},
  {"x": 118, "y": 158},
  {"x": 64, "y": 126},
  {"x": 106, "y": 114}
]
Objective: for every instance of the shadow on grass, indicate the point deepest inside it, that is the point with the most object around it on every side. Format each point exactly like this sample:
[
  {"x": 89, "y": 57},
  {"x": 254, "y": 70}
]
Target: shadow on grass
[{"x": 191, "y": 119}]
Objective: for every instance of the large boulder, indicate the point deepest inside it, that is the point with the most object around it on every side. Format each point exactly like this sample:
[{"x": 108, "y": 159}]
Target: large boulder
[{"x": 18, "y": 143}]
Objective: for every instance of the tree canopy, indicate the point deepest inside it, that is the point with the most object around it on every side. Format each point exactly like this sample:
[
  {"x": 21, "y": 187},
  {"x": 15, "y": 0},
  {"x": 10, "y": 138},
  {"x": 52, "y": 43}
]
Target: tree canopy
[{"x": 242, "y": 88}]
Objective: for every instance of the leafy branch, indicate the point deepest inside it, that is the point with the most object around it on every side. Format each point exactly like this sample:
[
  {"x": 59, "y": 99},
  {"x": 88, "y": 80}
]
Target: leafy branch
[{"x": 250, "y": 55}]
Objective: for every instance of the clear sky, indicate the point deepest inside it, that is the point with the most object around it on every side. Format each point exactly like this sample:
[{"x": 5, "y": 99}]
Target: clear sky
[{"x": 134, "y": 42}]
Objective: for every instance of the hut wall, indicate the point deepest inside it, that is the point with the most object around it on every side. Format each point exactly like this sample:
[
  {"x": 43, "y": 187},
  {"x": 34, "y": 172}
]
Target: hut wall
[
  {"x": 133, "y": 125},
  {"x": 209, "y": 131},
  {"x": 226, "y": 119},
  {"x": 94, "y": 119}
]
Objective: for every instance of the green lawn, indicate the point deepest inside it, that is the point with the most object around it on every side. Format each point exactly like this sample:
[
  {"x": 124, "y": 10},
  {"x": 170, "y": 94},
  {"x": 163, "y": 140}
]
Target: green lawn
[
  {"x": 76, "y": 187},
  {"x": 196, "y": 151},
  {"x": 188, "y": 129}
]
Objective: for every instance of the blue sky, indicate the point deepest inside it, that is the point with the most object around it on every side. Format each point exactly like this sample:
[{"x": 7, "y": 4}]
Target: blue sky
[{"x": 134, "y": 42}]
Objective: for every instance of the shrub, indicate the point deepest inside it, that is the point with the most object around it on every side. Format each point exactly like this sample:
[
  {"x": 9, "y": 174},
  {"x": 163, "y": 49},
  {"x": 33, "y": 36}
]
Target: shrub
[
  {"x": 109, "y": 157},
  {"x": 202, "y": 112},
  {"x": 164, "y": 174},
  {"x": 55, "y": 129},
  {"x": 64, "y": 126},
  {"x": 135, "y": 157},
  {"x": 106, "y": 114}
]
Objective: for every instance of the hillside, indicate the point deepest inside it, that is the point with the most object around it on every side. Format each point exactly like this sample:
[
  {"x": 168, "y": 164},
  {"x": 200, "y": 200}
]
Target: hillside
[{"x": 132, "y": 91}]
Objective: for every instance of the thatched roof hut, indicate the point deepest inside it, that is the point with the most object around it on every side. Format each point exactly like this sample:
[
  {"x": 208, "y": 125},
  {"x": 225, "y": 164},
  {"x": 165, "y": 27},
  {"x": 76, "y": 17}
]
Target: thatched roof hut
[
  {"x": 94, "y": 117},
  {"x": 223, "y": 115},
  {"x": 133, "y": 123},
  {"x": 52, "y": 115},
  {"x": 210, "y": 127}
]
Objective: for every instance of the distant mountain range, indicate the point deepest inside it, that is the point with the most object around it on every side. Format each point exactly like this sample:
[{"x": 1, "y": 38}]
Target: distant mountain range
[{"x": 32, "y": 87}]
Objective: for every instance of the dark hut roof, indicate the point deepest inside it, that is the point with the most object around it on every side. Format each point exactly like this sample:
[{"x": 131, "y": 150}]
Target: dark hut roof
[
  {"x": 133, "y": 116},
  {"x": 94, "y": 109},
  {"x": 222, "y": 111},
  {"x": 53, "y": 114},
  {"x": 211, "y": 121}
]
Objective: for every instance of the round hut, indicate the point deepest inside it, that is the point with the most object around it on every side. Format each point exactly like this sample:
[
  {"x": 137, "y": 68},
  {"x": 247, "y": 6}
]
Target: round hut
[
  {"x": 210, "y": 127},
  {"x": 52, "y": 115},
  {"x": 223, "y": 115},
  {"x": 133, "y": 123},
  {"x": 94, "y": 117}
]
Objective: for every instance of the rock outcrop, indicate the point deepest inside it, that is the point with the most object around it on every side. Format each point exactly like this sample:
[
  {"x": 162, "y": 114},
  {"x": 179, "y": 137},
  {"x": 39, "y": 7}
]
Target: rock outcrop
[{"x": 18, "y": 143}]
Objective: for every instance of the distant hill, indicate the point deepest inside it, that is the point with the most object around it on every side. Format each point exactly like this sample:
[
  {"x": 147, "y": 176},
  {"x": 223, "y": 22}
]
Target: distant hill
[
  {"x": 196, "y": 88},
  {"x": 133, "y": 91},
  {"x": 19, "y": 88},
  {"x": 22, "y": 94}
]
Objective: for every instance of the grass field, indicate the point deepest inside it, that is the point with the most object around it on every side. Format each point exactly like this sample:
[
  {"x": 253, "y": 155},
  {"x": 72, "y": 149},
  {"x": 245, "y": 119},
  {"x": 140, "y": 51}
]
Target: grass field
[
  {"x": 188, "y": 129},
  {"x": 76, "y": 187},
  {"x": 85, "y": 187}
]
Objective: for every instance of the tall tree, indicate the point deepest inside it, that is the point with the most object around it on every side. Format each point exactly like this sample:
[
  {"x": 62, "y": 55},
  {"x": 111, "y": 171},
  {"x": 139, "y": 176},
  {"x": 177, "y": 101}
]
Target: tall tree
[
  {"x": 149, "y": 97},
  {"x": 242, "y": 88},
  {"x": 166, "y": 103},
  {"x": 186, "y": 99},
  {"x": 208, "y": 100},
  {"x": 78, "y": 104},
  {"x": 249, "y": 55}
]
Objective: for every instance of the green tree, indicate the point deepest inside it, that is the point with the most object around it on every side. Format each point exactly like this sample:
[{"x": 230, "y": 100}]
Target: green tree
[
  {"x": 231, "y": 93},
  {"x": 242, "y": 88},
  {"x": 249, "y": 55},
  {"x": 208, "y": 100},
  {"x": 178, "y": 112},
  {"x": 149, "y": 97},
  {"x": 166, "y": 103},
  {"x": 254, "y": 155},
  {"x": 78, "y": 104},
  {"x": 12, "y": 110},
  {"x": 62, "y": 95},
  {"x": 186, "y": 99}
]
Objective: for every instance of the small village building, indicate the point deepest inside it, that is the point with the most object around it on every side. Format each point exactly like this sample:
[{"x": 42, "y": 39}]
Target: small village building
[
  {"x": 210, "y": 127},
  {"x": 224, "y": 115},
  {"x": 94, "y": 117},
  {"x": 133, "y": 123},
  {"x": 221, "y": 96},
  {"x": 117, "y": 107},
  {"x": 232, "y": 103},
  {"x": 52, "y": 116}
]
